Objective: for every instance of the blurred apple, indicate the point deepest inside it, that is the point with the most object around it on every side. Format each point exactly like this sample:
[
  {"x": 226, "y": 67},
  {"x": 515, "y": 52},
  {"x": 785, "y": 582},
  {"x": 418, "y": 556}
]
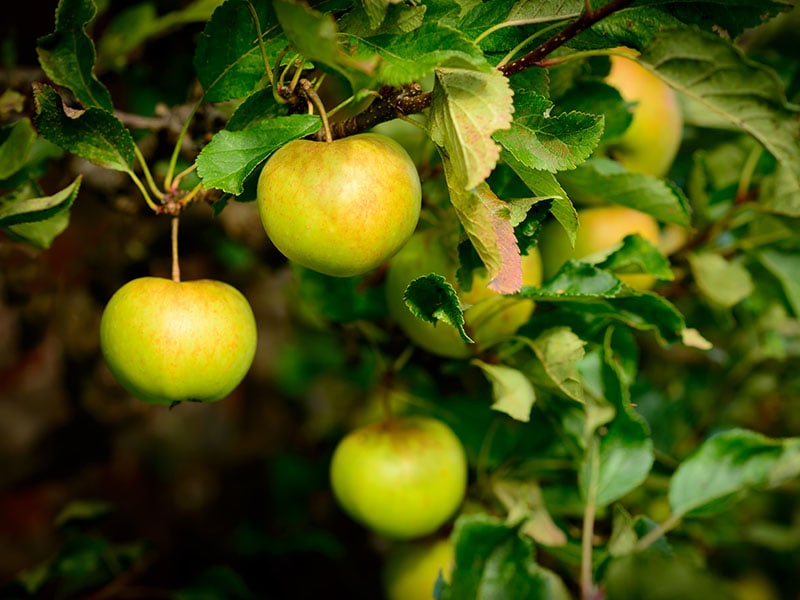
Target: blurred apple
[{"x": 411, "y": 569}]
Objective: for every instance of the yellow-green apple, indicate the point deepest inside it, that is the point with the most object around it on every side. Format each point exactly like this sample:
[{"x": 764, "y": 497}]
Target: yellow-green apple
[
  {"x": 489, "y": 316},
  {"x": 403, "y": 477},
  {"x": 411, "y": 569},
  {"x": 599, "y": 228},
  {"x": 343, "y": 207},
  {"x": 651, "y": 141},
  {"x": 168, "y": 341}
]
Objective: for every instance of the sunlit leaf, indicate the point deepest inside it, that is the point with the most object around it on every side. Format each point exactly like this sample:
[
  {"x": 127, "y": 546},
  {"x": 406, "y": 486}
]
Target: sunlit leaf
[
  {"x": 15, "y": 143},
  {"x": 785, "y": 267},
  {"x": 559, "y": 350},
  {"x": 513, "y": 393},
  {"x": 722, "y": 281}
]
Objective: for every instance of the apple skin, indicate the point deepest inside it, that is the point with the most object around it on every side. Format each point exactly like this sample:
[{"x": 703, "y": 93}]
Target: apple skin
[
  {"x": 341, "y": 208},
  {"x": 651, "y": 141},
  {"x": 599, "y": 228},
  {"x": 168, "y": 341},
  {"x": 491, "y": 315},
  {"x": 402, "y": 478},
  {"x": 411, "y": 569}
]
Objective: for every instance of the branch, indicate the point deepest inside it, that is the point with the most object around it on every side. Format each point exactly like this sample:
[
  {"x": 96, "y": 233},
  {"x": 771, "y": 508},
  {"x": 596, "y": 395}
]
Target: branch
[{"x": 409, "y": 99}]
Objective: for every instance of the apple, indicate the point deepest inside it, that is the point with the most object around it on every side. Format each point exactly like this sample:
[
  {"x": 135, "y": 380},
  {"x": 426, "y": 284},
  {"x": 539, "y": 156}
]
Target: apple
[
  {"x": 411, "y": 569},
  {"x": 489, "y": 316},
  {"x": 402, "y": 478},
  {"x": 599, "y": 228},
  {"x": 341, "y": 208},
  {"x": 651, "y": 141},
  {"x": 168, "y": 341}
]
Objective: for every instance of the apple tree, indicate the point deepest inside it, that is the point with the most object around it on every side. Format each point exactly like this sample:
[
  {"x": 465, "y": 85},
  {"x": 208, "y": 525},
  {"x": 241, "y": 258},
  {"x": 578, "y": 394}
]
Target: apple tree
[{"x": 564, "y": 234}]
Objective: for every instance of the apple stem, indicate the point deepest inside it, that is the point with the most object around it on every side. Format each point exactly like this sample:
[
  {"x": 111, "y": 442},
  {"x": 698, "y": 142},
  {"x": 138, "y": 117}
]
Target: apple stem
[
  {"x": 312, "y": 95},
  {"x": 176, "y": 269}
]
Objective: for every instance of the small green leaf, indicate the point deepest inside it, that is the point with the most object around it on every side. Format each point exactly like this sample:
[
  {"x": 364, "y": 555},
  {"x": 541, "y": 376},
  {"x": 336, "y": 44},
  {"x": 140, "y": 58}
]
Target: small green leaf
[
  {"x": 524, "y": 502},
  {"x": 83, "y": 510},
  {"x": 637, "y": 255},
  {"x": 93, "y": 134},
  {"x": 723, "y": 282},
  {"x": 726, "y": 466},
  {"x": 548, "y": 142},
  {"x": 780, "y": 193},
  {"x": 27, "y": 208},
  {"x": 15, "y": 143},
  {"x": 513, "y": 393},
  {"x": 493, "y": 560},
  {"x": 432, "y": 299},
  {"x": 560, "y": 350},
  {"x": 605, "y": 181},
  {"x": 597, "y": 97},
  {"x": 785, "y": 267},
  {"x": 231, "y": 156},
  {"x": 67, "y": 55},
  {"x": 468, "y": 107}
]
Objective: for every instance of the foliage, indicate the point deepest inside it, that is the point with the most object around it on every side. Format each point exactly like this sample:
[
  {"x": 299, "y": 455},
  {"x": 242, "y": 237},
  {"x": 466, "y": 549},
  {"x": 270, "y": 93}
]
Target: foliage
[{"x": 617, "y": 442}]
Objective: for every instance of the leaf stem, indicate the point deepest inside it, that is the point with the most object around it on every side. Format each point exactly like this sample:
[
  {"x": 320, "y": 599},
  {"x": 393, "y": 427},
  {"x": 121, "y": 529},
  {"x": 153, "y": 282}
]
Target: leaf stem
[
  {"x": 176, "y": 269},
  {"x": 589, "y": 514},
  {"x": 658, "y": 532},
  {"x": 311, "y": 94},
  {"x": 147, "y": 174},
  {"x": 153, "y": 206},
  {"x": 261, "y": 46},
  {"x": 525, "y": 42},
  {"x": 176, "y": 151},
  {"x": 518, "y": 23}
]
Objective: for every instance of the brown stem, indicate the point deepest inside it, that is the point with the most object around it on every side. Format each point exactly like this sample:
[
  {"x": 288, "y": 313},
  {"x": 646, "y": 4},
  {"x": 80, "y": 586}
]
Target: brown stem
[
  {"x": 309, "y": 92},
  {"x": 176, "y": 269}
]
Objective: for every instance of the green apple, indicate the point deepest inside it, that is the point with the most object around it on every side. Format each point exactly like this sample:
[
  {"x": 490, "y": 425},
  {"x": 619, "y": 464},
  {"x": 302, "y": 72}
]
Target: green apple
[
  {"x": 402, "y": 478},
  {"x": 599, "y": 228},
  {"x": 651, "y": 141},
  {"x": 343, "y": 207},
  {"x": 411, "y": 569},
  {"x": 168, "y": 341},
  {"x": 489, "y": 316}
]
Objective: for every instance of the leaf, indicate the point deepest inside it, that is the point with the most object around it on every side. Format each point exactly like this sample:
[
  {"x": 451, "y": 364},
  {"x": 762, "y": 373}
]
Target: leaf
[
  {"x": 723, "y": 282},
  {"x": 545, "y": 184},
  {"x": 637, "y": 255},
  {"x": 596, "y": 97},
  {"x": 432, "y": 299},
  {"x": 67, "y": 55},
  {"x": 512, "y": 391},
  {"x": 227, "y": 57},
  {"x": 487, "y": 223},
  {"x": 716, "y": 74},
  {"x": 31, "y": 209},
  {"x": 786, "y": 268},
  {"x": 93, "y": 134},
  {"x": 468, "y": 107},
  {"x": 780, "y": 193},
  {"x": 15, "y": 143},
  {"x": 231, "y": 156},
  {"x": 524, "y": 502},
  {"x": 494, "y": 561},
  {"x": 83, "y": 510},
  {"x": 605, "y": 297},
  {"x": 726, "y": 466},
  {"x": 602, "y": 180},
  {"x": 415, "y": 55},
  {"x": 560, "y": 350},
  {"x": 548, "y": 142}
]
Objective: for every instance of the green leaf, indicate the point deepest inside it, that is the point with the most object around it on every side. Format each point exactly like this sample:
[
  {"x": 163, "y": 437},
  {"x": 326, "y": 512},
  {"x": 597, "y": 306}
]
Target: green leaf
[
  {"x": 723, "y": 282},
  {"x": 637, "y": 255},
  {"x": 548, "y": 142},
  {"x": 83, "y": 510},
  {"x": 227, "y": 58},
  {"x": 513, "y": 393},
  {"x": 545, "y": 184},
  {"x": 605, "y": 181},
  {"x": 231, "y": 156},
  {"x": 716, "y": 74},
  {"x": 524, "y": 502},
  {"x": 27, "y": 208},
  {"x": 413, "y": 56},
  {"x": 468, "y": 107},
  {"x": 598, "y": 98},
  {"x": 726, "y": 466},
  {"x": 605, "y": 297},
  {"x": 67, "y": 55},
  {"x": 780, "y": 193},
  {"x": 560, "y": 350},
  {"x": 432, "y": 299},
  {"x": 785, "y": 267},
  {"x": 93, "y": 134},
  {"x": 15, "y": 143},
  {"x": 494, "y": 561}
]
